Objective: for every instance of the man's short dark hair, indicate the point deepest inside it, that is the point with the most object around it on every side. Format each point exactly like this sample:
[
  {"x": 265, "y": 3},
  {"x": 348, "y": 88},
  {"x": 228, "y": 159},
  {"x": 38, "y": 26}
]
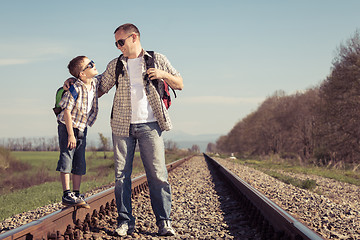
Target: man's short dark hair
[
  {"x": 75, "y": 66},
  {"x": 128, "y": 28}
]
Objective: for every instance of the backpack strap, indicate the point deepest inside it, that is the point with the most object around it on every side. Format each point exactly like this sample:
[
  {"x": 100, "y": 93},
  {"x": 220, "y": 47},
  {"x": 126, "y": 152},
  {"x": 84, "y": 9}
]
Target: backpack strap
[
  {"x": 151, "y": 64},
  {"x": 119, "y": 69},
  {"x": 73, "y": 92}
]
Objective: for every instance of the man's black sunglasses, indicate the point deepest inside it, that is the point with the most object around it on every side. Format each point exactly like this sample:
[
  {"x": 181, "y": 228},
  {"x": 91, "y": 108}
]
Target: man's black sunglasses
[
  {"x": 91, "y": 64},
  {"x": 121, "y": 42}
]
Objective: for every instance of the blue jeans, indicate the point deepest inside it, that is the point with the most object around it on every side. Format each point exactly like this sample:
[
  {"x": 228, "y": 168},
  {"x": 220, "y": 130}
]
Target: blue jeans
[
  {"x": 71, "y": 161},
  {"x": 152, "y": 153}
]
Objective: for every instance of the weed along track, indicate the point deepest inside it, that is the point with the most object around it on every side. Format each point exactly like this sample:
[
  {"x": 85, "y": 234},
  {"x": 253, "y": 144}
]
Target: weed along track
[{"x": 208, "y": 203}]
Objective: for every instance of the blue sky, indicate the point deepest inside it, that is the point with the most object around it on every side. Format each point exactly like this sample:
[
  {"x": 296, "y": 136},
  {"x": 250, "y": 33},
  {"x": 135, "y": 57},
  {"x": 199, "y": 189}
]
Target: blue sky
[{"x": 231, "y": 54}]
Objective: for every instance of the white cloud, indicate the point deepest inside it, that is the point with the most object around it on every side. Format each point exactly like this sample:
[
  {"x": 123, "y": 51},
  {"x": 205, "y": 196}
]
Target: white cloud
[
  {"x": 14, "y": 61},
  {"x": 18, "y": 54}
]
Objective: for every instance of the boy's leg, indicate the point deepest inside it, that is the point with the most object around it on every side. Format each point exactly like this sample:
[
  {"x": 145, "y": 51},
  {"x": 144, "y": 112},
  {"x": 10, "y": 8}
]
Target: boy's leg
[
  {"x": 65, "y": 164},
  {"x": 65, "y": 181},
  {"x": 79, "y": 164},
  {"x": 66, "y": 155},
  {"x": 76, "y": 182},
  {"x": 69, "y": 198},
  {"x": 76, "y": 190}
]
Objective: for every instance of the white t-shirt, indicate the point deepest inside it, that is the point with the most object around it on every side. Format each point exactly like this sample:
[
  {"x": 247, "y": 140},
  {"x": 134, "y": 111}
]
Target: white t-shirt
[
  {"x": 141, "y": 110},
  {"x": 91, "y": 95}
]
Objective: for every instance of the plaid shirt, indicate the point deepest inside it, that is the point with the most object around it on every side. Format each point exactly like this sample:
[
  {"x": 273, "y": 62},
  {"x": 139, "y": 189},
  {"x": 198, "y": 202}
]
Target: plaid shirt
[
  {"x": 78, "y": 108},
  {"x": 121, "y": 110}
]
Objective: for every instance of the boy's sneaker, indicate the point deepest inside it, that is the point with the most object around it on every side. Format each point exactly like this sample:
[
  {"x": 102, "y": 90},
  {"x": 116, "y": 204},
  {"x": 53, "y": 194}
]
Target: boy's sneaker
[
  {"x": 124, "y": 229},
  {"x": 86, "y": 205},
  {"x": 72, "y": 200},
  {"x": 165, "y": 228}
]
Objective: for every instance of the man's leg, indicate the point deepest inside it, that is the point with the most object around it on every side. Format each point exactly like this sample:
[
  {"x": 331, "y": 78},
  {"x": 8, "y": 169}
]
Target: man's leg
[
  {"x": 124, "y": 148},
  {"x": 152, "y": 153}
]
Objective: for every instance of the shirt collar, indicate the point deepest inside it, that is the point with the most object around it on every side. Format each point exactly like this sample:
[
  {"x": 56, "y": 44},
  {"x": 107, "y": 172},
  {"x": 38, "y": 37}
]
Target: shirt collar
[{"x": 143, "y": 52}]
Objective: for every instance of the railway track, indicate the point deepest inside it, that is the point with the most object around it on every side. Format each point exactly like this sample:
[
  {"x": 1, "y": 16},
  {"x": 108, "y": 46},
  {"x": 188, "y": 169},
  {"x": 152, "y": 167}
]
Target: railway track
[
  {"x": 205, "y": 207},
  {"x": 273, "y": 222}
]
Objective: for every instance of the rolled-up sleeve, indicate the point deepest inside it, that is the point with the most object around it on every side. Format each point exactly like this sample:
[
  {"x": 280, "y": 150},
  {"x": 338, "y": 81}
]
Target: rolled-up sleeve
[
  {"x": 67, "y": 101},
  {"x": 164, "y": 64},
  {"x": 107, "y": 79}
]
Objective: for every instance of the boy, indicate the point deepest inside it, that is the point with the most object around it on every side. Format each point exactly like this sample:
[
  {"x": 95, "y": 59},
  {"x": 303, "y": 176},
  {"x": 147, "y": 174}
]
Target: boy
[{"x": 72, "y": 128}]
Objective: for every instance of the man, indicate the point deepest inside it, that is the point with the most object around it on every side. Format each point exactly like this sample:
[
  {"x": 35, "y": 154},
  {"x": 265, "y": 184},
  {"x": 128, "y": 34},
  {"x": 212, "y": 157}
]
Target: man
[{"x": 138, "y": 115}]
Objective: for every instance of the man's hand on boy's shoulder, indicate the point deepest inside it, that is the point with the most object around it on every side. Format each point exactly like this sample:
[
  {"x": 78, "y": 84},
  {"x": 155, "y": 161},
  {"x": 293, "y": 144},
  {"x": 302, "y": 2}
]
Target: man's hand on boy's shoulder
[{"x": 68, "y": 82}]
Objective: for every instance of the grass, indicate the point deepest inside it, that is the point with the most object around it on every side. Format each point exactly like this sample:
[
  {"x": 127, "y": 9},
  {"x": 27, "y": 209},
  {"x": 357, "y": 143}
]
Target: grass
[
  {"x": 34, "y": 168},
  {"x": 271, "y": 165},
  {"x": 304, "y": 184},
  {"x": 34, "y": 182}
]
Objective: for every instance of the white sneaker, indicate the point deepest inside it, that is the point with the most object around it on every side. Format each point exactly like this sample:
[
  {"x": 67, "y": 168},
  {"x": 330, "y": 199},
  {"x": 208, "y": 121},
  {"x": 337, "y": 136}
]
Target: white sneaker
[
  {"x": 165, "y": 228},
  {"x": 124, "y": 229}
]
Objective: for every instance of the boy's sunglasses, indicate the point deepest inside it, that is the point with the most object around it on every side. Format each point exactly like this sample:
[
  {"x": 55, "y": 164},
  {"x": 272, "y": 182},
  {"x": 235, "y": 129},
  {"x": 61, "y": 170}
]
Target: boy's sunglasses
[
  {"x": 121, "y": 42},
  {"x": 91, "y": 64}
]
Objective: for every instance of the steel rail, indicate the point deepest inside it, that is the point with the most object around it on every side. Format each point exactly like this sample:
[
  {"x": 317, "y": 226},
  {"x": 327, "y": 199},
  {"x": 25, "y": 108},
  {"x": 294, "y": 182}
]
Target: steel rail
[
  {"x": 50, "y": 226},
  {"x": 284, "y": 225}
]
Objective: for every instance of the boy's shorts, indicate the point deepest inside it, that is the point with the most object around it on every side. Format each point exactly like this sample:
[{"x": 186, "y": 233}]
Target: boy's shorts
[{"x": 71, "y": 161}]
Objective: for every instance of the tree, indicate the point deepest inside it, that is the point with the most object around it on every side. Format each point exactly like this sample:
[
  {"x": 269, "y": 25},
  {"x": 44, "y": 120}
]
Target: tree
[
  {"x": 104, "y": 143},
  {"x": 211, "y": 147},
  {"x": 340, "y": 104},
  {"x": 170, "y": 145},
  {"x": 195, "y": 148}
]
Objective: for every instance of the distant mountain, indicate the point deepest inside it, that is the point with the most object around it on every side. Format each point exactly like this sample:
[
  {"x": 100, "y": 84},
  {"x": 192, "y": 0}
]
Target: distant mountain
[{"x": 185, "y": 140}]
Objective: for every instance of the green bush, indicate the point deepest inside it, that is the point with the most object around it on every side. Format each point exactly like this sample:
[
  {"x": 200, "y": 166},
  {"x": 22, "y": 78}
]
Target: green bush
[
  {"x": 4, "y": 158},
  {"x": 304, "y": 184},
  {"x": 308, "y": 184}
]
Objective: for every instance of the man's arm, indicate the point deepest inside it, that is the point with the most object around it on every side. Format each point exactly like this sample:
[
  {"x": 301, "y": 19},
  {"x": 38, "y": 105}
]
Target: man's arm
[
  {"x": 175, "y": 82},
  {"x": 164, "y": 70},
  {"x": 68, "y": 82},
  {"x": 107, "y": 78}
]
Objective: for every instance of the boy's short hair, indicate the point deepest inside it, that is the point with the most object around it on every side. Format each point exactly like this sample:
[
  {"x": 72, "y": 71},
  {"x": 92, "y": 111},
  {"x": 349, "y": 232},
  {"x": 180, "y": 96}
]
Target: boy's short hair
[
  {"x": 128, "y": 28},
  {"x": 75, "y": 66}
]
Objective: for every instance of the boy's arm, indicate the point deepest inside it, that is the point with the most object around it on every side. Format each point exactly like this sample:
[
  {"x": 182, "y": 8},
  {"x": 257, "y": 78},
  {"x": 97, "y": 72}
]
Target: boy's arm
[{"x": 69, "y": 128}]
